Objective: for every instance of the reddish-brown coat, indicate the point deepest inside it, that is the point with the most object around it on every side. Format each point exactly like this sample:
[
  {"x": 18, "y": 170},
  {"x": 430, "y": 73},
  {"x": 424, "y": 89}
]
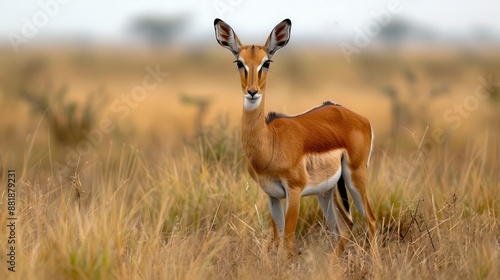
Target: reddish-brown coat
[{"x": 278, "y": 150}]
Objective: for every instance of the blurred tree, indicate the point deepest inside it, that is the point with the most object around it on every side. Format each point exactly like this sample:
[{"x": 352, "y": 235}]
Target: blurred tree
[
  {"x": 158, "y": 31},
  {"x": 399, "y": 30}
]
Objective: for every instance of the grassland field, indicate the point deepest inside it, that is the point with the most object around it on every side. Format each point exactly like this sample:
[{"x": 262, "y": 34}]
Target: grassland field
[{"x": 112, "y": 185}]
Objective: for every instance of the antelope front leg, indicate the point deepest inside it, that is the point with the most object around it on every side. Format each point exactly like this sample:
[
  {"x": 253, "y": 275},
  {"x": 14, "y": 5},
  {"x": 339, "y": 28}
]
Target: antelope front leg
[
  {"x": 278, "y": 217},
  {"x": 292, "y": 214}
]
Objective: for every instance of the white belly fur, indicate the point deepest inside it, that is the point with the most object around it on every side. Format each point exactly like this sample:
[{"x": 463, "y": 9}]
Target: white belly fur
[
  {"x": 275, "y": 189},
  {"x": 323, "y": 186},
  {"x": 319, "y": 168}
]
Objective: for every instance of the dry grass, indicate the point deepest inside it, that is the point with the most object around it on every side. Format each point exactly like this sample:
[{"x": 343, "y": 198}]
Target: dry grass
[{"x": 188, "y": 209}]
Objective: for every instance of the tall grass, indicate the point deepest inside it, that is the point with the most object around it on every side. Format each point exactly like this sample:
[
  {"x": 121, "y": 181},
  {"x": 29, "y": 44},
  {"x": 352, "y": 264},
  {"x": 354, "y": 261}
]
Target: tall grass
[
  {"x": 189, "y": 218},
  {"x": 158, "y": 208}
]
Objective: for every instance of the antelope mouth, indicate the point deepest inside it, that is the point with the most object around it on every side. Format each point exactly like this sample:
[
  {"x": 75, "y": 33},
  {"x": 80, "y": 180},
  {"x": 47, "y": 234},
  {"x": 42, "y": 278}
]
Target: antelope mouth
[{"x": 252, "y": 99}]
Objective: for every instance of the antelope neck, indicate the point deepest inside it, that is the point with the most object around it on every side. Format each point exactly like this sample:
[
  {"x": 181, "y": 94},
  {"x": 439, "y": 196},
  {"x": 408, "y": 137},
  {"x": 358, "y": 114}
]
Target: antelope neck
[{"x": 257, "y": 137}]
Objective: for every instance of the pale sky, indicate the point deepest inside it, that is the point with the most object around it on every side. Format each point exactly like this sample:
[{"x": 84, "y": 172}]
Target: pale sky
[{"x": 321, "y": 20}]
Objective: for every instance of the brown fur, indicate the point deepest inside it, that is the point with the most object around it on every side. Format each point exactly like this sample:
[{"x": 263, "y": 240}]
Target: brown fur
[{"x": 303, "y": 149}]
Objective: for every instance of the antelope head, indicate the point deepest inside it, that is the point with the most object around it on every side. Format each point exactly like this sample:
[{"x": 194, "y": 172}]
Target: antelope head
[{"x": 253, "y": 61}]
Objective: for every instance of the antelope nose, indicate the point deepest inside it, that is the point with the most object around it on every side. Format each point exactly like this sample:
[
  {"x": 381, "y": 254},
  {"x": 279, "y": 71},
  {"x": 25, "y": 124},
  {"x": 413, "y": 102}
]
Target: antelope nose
[{"x": 252, "y": 92}]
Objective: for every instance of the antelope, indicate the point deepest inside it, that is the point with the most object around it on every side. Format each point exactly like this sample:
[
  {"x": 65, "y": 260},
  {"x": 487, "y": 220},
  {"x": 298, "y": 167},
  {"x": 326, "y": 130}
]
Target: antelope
[{"x": 302, "y": 155}]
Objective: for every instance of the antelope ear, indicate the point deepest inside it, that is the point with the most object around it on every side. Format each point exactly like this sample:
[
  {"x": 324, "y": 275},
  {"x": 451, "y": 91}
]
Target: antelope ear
[
  {"x": 279, "y": 37},
  {"x": 226, "y": 37}
]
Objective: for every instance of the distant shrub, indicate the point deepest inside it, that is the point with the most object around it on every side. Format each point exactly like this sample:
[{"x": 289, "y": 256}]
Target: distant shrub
[{"x": 67, "y": 119}]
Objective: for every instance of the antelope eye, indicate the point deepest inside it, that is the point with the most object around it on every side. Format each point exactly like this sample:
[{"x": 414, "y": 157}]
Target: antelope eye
[
  {"x": 239, "y": 64},
  {"x": 266, "y": 64}
]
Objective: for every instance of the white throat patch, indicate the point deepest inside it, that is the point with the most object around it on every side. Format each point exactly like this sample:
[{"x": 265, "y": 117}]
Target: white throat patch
[{"x": 252, "y": 104}]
